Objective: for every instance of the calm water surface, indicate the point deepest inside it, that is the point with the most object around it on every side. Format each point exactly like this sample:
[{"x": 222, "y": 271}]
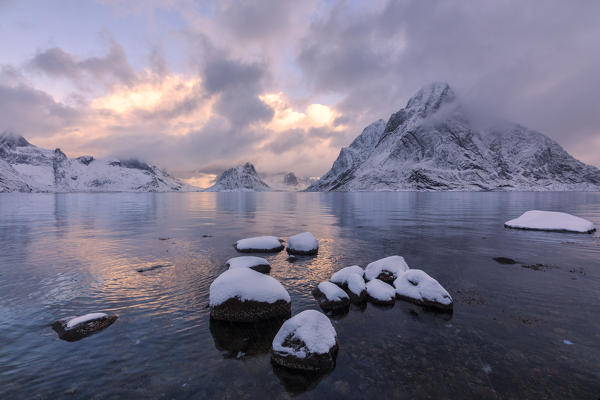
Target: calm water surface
[{"x": 69, "y": 254}]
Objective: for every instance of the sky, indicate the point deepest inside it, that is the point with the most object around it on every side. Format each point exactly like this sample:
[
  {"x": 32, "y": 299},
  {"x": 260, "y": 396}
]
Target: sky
[{"x": 200, "y": 86}]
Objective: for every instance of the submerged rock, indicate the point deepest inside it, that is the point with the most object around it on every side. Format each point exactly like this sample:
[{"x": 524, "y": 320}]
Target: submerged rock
[
  {"x": 550, "y": 221},
  {"x": 303, "y": 244},
  {"x": 418, "y": 287},
  {"x": 351, "y": 280},
  {"x": 504, "y": 260},
  {"x": 386, "y": 269},
  {"x": 243, "y": 339},
  {"x": 152, "y": 267},
  {"x": 256, "y": 263},
  {"x": 306, "y": 341},
  {"x": 380, "y": 292},
  {"x": 331, "y": 297},
  {"x": 244, "y": 295},
  {"x": 72, "y": 329},
  {"x": 259, "y": 244}
]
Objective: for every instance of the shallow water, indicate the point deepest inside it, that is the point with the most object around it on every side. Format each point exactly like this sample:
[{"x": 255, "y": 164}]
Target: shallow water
[{"x": 69, "y": 254}]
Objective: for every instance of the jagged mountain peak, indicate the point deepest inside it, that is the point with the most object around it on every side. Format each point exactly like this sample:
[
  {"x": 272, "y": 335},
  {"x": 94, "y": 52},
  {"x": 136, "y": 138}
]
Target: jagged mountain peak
[
  {"x": 433, "y": 144},
  {"x": 242, "y": 178},
  {"x": 12, "y": 140}
]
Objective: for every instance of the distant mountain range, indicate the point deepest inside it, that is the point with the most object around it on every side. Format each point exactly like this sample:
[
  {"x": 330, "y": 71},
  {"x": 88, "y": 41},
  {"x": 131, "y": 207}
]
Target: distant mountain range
[
  {"x": 435, "y": 144},
  {"x": 28, "y": 168}
]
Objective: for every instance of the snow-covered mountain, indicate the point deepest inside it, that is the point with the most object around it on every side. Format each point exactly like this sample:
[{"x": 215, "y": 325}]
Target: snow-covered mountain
[
  {"x": 27, "y": 168},
  {"x": 287, "y": 182},
  {"x": 435, "y": 144},
  {"x": 242, "y": 178}
]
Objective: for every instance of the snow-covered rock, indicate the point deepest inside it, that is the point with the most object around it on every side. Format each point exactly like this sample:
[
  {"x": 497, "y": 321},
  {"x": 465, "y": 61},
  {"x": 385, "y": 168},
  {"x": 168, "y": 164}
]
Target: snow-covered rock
[
  {"x": 27, "y": 168},
  {"x": 259, "y": 244},
  {"x": 418, "y": 287},
  {"x": 76, "y": 328},
  {"x": 306, "y": 341},
  {"x": 244, "y": 295},
  {"x": 380, "y": 292},
  {"x": 386, "y": 269},
  {"x": 551, "y": 221},
  {"x": 303, "y": 244},
  {"x": 435, "y": 143},
  {"x": 331, "y": 297},
  {"x": 351, "y": 280},
  {"x": 256, "y": 263},
  {"x": 242, "y": 178}
]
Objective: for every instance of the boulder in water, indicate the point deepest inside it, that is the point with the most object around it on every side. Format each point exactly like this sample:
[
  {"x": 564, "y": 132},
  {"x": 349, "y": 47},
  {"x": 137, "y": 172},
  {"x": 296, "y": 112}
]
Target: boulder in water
[
  {"x": 331, "y": 297},
  {"x": 72, "y": 329},
  {"x": 418, "y": 287}
]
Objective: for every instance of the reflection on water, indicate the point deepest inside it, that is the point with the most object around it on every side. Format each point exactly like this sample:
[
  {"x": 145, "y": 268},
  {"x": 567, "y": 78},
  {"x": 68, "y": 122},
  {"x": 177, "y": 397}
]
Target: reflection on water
[{"x": 69, "y": 254}]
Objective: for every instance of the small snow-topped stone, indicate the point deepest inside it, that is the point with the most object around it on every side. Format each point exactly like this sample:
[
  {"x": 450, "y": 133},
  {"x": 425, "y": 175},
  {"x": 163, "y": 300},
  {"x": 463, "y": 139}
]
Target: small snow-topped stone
[
  {"x": 256, "y": 263},
  {"x": 306, "y": 341},
  {"x": 303, "y": 243},
  {"x": 259, "y": 244},
  {"x": 332, "y": 291},
  {"x": 84, "y": 318},
  {"x": 551, "y": 221},
  {"x": 246, "y": 284},
  {"x": 331, "y": 297},
  {"x": 418, "y": 287},
  {"x": 351, "y": 280},
  {"x": 380, "y": 292},
  {"x": 245, "y": 295},
  {"x": 386, "y": 269}
]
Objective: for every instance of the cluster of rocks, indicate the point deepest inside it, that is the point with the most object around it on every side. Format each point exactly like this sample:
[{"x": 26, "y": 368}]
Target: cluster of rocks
[
  {"x": 382, "y": 282},
  {"x": 301, "y": 244}
]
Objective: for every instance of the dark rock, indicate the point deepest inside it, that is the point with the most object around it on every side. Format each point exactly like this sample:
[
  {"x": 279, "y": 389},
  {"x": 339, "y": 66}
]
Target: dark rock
[
  {"x": 312, "y": 362},
  {"x": 504, "y": 260},
  {"x": 248, "y": 339},
  {"x": 250, "y": 311},
  {"x": 153, "y": 267},
  {"x": 290, "y": 179},
  {"x": 82, "y": 330},
  {"x": 85, "y": 160},
  {"x": 292, "y": 258}
]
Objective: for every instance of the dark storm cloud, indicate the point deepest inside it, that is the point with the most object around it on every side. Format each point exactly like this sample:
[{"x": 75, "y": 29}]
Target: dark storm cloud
[
  {"x": 113, "y": 67},
  {"x": 535, "y": 62}
]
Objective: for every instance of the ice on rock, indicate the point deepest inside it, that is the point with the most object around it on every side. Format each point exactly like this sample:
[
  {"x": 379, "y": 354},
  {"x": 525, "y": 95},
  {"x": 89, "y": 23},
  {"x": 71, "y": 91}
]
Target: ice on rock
[
  {"x": 306, "y": 341},
  {"x": 256, "y": 263},
  {"x": 245, "y": 295},
  {"x": 259, "y": 244},
  {"x": 386, "y": 269},
  {"x": 418, "y": 287},
  {"x": 550, "y": 221},
  {"x": 380, "y": 292},
  {"x": 331, "y": 297},
  {"x": 75, "y": 328},
  {"x": 351, "y": 280},
  {"x": 303, "y": 243}
]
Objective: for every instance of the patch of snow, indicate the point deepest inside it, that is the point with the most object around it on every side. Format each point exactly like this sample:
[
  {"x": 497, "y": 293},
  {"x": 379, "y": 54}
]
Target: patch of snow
[
  {"x": 416, "y": 284},
  {"x": 352, "y": 277},
  {"x": 566, "y": 341},
  {"x": 393, "y": 264},
  {"x": 310, "y": 327},
  {"x": 380, "y": 290},
  {"x": 246, "y": 284},
  {"x": 72, "y": 323},
  {"x": 246, "y": 262},
  {"x": 332, "y": 291},
  {"x": 551, "y": 221},
  {"x": 259, "y": 242},
  {"x": 305, "y": 241}
]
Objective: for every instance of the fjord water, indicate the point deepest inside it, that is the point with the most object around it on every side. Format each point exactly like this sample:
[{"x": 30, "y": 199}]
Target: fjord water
[{"x": 515, "y": 332}]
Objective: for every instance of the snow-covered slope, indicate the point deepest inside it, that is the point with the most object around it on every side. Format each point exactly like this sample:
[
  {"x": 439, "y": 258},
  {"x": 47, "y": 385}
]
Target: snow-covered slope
[
  {"x": 27, "y": 168},
  {"x": 434, "y": 144},
  {"x": 287, "y": 182},
  {"x": 242, "y": 178}
]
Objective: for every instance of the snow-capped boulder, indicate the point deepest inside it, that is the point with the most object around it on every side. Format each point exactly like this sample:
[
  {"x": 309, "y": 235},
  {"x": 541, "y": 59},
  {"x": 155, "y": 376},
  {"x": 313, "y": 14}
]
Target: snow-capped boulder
[
  {"x": 380, "y": 292},
  {"x": 244, "y": 295},
  {"x": 303, "y": 244},
  {"x": 242, "y": 178},
  {"x": 256, "y": 263},
  {"x": 259, "y": 244},
  {"x": 386, "y": 269},
  {"x": 331, "y": 297},
  {"x": 76, "y": 328},
  {"x": 418, "y": 287},
  {"x": 435, "y": 143},
  {"x": 307, "y": 341},
  {"x": 551, "y": 221},
  {"x": 351, "y": 280}
]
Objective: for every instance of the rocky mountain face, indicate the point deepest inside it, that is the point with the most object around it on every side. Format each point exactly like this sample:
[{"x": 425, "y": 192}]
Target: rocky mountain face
[
  {"x": 287, "y": 181},
  {"x": 242, "y": 178},
  {"x": 27, "y": 168},
  {"x": 435, "y": 144}
]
